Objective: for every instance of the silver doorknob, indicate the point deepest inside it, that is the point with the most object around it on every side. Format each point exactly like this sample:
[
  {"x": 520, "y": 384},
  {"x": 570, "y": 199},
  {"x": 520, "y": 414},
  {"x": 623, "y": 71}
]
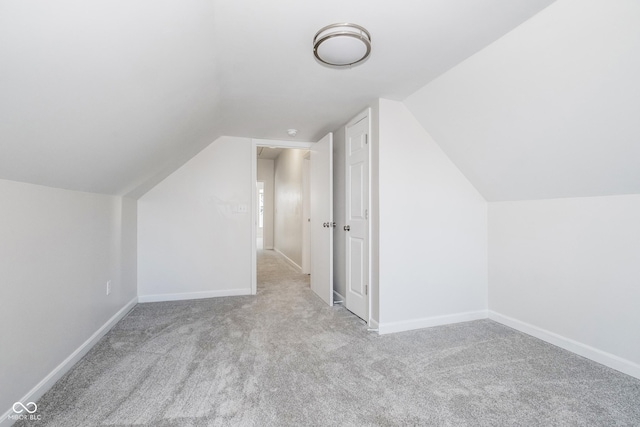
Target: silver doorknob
[{"x": 347, "y": 228}]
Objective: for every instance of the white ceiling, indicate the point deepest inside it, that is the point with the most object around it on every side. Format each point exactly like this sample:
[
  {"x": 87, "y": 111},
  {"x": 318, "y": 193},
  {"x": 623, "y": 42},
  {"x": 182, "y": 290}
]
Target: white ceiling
[
  {"x": 105, "y": 95},
  {"x": 550, "y": 110}
]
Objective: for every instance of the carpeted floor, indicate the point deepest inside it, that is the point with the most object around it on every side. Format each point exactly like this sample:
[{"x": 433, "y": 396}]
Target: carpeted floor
[{"x": 284, "y": 358}]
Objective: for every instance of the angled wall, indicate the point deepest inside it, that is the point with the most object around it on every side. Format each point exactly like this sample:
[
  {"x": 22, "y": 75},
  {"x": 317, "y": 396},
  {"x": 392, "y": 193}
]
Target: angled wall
[
  {"x": 432, "y": 230},
  {"x": 194, "y": 228},
  {"x": 549, "y": 110},
  {"x": 544, "y": 123}
]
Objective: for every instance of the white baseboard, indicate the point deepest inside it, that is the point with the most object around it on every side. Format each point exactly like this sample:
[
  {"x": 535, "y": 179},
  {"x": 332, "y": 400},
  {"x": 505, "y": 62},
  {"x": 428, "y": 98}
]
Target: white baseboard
[
  {"x": 194, "y": 295},
  {"x": 289, "y": 260},
  {"x": 338, "y": 297},
  {"x": 47, "y": 382},
  {"x": 373, "y": 324},
  {"x": 618, "y": 363},
  {"x": 427, "y": 322}
]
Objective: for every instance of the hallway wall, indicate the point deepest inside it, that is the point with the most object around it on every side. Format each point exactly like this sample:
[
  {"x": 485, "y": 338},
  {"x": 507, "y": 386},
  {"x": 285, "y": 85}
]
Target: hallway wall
[
  {"x": 265, "y": 174},
  {"x": 288, "y": 204}
]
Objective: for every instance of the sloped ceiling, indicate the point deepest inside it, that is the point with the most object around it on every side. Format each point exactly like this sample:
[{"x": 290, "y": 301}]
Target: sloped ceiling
[
  {"x": 112, "y": 95},
  {"x": 550, "y": 110}
]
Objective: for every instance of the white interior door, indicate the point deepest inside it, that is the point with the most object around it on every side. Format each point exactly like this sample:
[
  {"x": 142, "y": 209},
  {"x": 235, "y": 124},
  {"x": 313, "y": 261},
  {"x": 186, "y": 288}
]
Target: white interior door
[
  {"x": 357, "y": 217},
  {"x": 321, "y": 224}
]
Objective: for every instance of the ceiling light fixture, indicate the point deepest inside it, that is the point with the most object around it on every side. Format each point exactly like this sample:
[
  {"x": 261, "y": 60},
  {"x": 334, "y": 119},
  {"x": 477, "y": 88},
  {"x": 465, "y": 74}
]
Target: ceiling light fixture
[{"x": 342, "y": 44}]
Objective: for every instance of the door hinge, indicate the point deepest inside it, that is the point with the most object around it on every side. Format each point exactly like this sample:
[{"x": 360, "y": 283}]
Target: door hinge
[
  {"x": 366, "y": 138},
  {"x": 366, "y": 214},
  {"x": 366, "y": 289}
]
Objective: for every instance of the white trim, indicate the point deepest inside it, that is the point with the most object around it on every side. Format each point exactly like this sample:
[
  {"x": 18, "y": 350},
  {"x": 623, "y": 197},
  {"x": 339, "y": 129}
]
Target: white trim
[
  {"x": 194, "y": 295},
  {"x": 289, "y": 260},
  {"x": 367, "y": 112},
  {"x": 612, "y": 361},
  {"x": 374, "y": 325},
  {"x": 359, "y": 117},
  {"x": 47, "y": 382},
  {"x": 427, "y": 322},
  {"x": 254, "y": 219},
  {"x": 281, "y": 144},
  {"x": 305, "y": 262},
  {"x": 338, "y": 297}
]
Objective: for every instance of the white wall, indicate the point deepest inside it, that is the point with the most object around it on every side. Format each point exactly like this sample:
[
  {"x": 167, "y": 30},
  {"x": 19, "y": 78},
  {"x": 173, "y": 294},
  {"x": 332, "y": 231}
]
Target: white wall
[
  {"x": 265, "y": 174},
  {"x": 58, "y": 249},
  {"x": 432, "y": 231},
  {"x": 339, "y": 211},
  {"x": 570, "y": 267},
  {"x": 288, "y": 204},
  {"x": 194, "y": 228}
]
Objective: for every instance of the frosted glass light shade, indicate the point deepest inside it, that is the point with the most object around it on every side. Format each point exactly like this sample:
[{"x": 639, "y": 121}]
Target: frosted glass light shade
[{"x": 342, "y": 44}]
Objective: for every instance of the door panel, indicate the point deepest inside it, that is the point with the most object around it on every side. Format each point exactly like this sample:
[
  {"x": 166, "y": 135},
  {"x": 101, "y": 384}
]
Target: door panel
[
  {"x": 357, "y": 204},
  {"x": 321, "y": 224},
  {"x": 356, "y": 186},
  {"x": 356, "y": 253}
]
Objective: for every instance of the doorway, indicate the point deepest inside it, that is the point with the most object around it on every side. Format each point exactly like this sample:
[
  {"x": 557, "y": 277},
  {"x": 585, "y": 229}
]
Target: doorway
[
  {"x": 279, "y": 165},
  {"x": 322, "y": 228}
]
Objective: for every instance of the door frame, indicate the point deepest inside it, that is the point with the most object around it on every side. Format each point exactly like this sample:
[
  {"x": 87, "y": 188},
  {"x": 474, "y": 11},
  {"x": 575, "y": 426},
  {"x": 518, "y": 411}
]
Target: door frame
[
  {"x": 255, "y": 143},
  {"x": 257, "y": 214},
  {"x": 366, "y": 114},
  {"x": 306, "y": 214}
]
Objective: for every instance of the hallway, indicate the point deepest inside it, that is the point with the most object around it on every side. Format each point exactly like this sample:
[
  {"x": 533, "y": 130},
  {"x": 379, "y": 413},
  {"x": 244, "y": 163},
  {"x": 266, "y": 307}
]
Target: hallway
[{"x": 274, "y": 272}]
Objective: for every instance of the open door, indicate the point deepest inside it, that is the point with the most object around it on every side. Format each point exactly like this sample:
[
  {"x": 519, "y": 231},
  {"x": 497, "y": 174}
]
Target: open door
[{"x": 321, "y": 224}]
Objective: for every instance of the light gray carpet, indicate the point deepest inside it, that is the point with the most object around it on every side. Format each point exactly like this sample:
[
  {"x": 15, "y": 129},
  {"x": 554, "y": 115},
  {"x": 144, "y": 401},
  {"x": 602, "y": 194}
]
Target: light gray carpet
[{"x": 284, "y": 358}]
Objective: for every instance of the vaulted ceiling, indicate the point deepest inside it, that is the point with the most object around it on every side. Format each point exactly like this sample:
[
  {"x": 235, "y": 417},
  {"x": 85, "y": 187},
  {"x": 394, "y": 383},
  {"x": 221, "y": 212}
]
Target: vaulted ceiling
[{"x": 108, "y": 95}]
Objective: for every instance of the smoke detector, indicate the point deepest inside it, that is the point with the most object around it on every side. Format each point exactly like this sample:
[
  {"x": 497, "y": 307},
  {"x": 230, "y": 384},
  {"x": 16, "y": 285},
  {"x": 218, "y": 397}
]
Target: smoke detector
[{"x": 292, "y": 132}]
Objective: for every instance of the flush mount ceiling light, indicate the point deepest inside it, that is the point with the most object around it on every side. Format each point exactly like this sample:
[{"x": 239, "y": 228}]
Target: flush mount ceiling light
[{"x": 342, "y": 44}]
